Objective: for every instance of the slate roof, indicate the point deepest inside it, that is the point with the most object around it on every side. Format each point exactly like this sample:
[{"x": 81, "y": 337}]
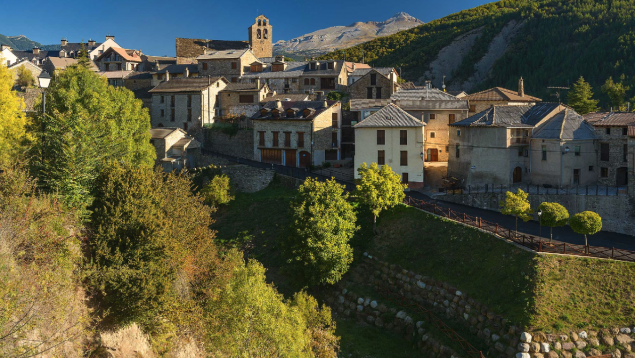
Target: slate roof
[
  {"x": 615, "y": 119},
  {"x": 292, "y": 97},
  {"x": 223, "y": 55},
  {"x": 359, "y": 104},
  {"x": 390, "y": 116},
  {"x": 631, "y": 131},
  {"x": 140, "y": 76},
  {"x": 160, "y": 133},
  {"x": 363, "y": 71},
  {"x": 243, "y": 86},
  {"x": 421, "y": 93},
  {"x": 190, "y": 84},
  {"x": 179, "y": 69},
  {"x": 30, "y": 56},
  {"x": 196, "y": 47},
  {"x": 594, "y": 116},
  {"x": 500, "y": 94},
  {"x": 566, "y": 125},
  {"x": 315, "y": 107},
  {"x": 294, "y": 69},
  {"x": 509, "y": 116},
  {"x": 60, "y": 63}
]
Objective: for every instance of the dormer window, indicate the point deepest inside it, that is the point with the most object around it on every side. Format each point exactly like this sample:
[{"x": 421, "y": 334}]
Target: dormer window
[
  {"x": 290, "y": 113},
  {"x": 331, "y": 65},
  {"x": 306, "y": 112},
  {"x": 275, "y": 113},
  {"x": 263, "y": 112}
]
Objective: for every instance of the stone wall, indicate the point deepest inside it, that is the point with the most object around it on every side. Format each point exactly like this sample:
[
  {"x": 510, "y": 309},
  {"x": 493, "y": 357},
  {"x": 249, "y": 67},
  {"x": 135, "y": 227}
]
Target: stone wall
[
  {"x": 242, "y": 177},
  {"x": 617, "y": 212},
  {"x": 239, "y": 145},
  {"x": 618, "y": 342}
]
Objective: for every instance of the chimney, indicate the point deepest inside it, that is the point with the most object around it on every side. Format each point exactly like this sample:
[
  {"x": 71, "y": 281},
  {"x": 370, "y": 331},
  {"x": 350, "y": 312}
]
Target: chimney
[
  {"x": 209, "y": 80},
  {"x": 91, "y": 42},
  {"x": 64, "y": 42},
  {"x": 36, "y": 50},
  {"x": 325, "y": 104},
  {"x": 521, "y": 87},
  {"x": 186, "y": 74},
  {"x": 258, "y": 83},
  {"x": 110, "y": 37},
  {"x": 167, "y": 75},
  {"x": 392, "y": 77},
  {"x": 353, "y": 66},
  {"x": 319, "y": 95},
  {"x": 279, "y": 104}
]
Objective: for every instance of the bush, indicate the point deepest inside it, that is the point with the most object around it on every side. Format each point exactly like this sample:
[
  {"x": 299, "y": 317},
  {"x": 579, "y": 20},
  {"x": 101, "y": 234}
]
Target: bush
[
  {"x": 553, "y": 215},
  {"x": 217, "y": 191},
  {"x": 586, "y": 223}
]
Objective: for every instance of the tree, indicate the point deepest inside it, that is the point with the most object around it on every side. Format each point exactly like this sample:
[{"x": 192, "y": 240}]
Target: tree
[
  {"x": 553, "y": 215},
  {"x": 248, "y": 318},
  {"x": 217, "y": 191},
  {"x": 13, "y": 120},
  {"x": 616, "y": 91},
  {"x": 25, "y": 77},
  {"x": 380, "y": 189},
  {"x": 83, "y": 59},
  {"x": 517, "y": 205},
  {"x": 586, "y": 223},
  {"x": 581, "y": 97},
  {"x": 86, "y": 123},
  {"x": 320, "y": 325},
  {"x": 323, "y": 224}
]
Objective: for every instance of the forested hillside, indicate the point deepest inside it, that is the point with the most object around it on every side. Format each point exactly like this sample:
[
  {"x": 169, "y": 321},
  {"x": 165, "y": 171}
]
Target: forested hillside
[{"x": 558, "y": 41}]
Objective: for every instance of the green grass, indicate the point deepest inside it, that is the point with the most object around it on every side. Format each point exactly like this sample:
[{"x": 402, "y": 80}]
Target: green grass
[{"x": 365, "y": 341}]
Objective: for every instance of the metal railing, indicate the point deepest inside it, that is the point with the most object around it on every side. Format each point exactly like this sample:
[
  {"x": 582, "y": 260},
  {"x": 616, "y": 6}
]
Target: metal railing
[{"x": 604, "y": 190}]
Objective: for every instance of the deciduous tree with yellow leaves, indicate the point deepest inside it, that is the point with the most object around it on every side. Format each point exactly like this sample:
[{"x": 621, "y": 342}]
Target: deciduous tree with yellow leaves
[{"x": 13, "y": 119}]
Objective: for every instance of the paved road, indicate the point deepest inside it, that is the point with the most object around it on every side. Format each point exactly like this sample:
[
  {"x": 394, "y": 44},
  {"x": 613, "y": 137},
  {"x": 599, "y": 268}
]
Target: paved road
[{"x": 564, "y": 234}]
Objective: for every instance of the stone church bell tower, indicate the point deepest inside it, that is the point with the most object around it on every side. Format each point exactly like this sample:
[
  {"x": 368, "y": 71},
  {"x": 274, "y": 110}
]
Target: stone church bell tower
[{"x": 260, "y": 37}]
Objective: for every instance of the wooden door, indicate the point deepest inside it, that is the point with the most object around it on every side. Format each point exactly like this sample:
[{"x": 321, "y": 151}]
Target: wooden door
[
  {"x": 518, "y": 175},
  {"x": 434, "y": 155},
  {"x": 305, "y": 159},
  {"x": 289, "y": 158},
  {"x": 273, "y": 156}
]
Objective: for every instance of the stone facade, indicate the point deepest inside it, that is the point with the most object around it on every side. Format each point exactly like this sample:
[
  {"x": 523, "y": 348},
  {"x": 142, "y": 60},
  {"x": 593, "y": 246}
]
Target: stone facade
[
  {"x": 618, "y": 155},
  {"x": 260, "y": 37},
  {"x": 437, "y": 131},
  {"x": 240, "y": 145},
  {"x": 232, "y": 65},
  {"x": 242, "y": 101},
  {"x": 373, "y": 85}
]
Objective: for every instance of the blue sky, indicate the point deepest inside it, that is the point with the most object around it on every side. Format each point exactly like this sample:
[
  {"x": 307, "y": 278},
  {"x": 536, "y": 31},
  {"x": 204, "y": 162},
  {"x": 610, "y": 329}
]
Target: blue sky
[{"x": 152, "y": 26}]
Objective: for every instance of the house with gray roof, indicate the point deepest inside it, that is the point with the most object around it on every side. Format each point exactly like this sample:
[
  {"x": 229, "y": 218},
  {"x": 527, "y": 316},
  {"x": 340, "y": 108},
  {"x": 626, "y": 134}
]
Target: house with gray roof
[
  {"x": 393, "y": 137},
  {"x": 373, "y": 83},
  {"x": 175, "y": 149}
]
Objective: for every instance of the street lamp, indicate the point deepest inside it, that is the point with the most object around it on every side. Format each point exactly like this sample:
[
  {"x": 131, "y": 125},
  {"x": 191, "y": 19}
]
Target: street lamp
[
  {"x": 44, "y": 79},
  {"x": 540, "y": 221}
]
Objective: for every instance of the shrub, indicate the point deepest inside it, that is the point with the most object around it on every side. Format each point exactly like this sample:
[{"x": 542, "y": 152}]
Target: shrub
[
  {"x": 217, "y": 191},
  {"x": 380, "y": 189},
  {"x": 553, "y": 215},
  {"x": 586, "y": 223}
]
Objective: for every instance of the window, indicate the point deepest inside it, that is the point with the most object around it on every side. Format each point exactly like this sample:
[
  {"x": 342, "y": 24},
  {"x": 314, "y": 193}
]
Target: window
[
  {"x": 204, "y": 66},
  {"x": 625, "y": 152},
  {"x": 404, "y": 178},
  {"x": 432, "y": 116},
  {"x": 381, "y": 137},
  {"x": 330, "y": 65},
  {"x": 458, "y": 132},
  {"x": 275, "y": 139},
  {"x": 300, "y": 139},
  {"x": 625, "y": 131},
  {"x": 608, "y": 130},
  {"x": 604, "y": 172},
  {"x": 334, "y": 139},
  {"x": 261, "y": 139},
  {"x": 472, "y": 108},
  {"x": 163, "y": 113},
  {"x": 403, "y": 137},
  {"x": 452, "y": 118},
  {"x": 312, "y": 81},
  {"x": 172, "y": 115},
  {"x": 576, "y": 176},
  {"x": 378, "y": 92},
  {"x": 604, "y": 152},
  {"x": 369, "y": 93},
  {"x": 590, "y": 168},
  {"x": 520, "y": 152},
  {"x": 373, "y": 79},
  {"x": 403, "y": 159},
  {"x": 234, "y": 65},
  {"x": 246, "y": 98},
  {"x": 458, "y": 150},
  {"x": 447, "y": 149},
  {"x": 577, "y": 150},
  {"x": 287, "y": 139},
  {"x": 334, "y": 121},
  {"x": 162, "y": 99},
  {"x": 189, "y": 100},
  {"x": 189, "y": 114},
  {"x": 185, "y": 125},
  {"x": 381, "y": 159},
  {"x": 172, "y": 101},
  {"x": 432, "y": 134},
  {"x": 306, "y": 81},
  {"x": 234, "y": 79},
  {"x": 544, "y": 152}
]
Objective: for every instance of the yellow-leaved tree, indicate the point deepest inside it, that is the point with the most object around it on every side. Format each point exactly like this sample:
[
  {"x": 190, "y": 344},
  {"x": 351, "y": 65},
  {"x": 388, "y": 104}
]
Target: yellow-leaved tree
[
  {"x": 517, "y": 205},
  {"x": 12, "y": 119}
]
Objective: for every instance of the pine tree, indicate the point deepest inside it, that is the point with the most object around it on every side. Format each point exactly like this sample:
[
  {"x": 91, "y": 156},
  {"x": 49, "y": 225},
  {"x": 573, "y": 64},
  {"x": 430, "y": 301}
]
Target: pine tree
[
  {"x": 616, "y": 91},
  {"x": 83, "y": 60},
  {"x": 581, "y": 97}
]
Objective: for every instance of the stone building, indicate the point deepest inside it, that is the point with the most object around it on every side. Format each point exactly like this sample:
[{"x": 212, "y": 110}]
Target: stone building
[
  {"x": 260, "y": 37},
  {"x": 613, "y": 151},
  {"x": 324, "y": 75},
  {"x": 373, "y": 83},
  {"x": 543, "y": 144},
  {"x": 499, "y": 96},
  {"x": 68, "y": 50},
  {"x": 231, "y": 64},
  {"x": 297, "y": 134},
  {"x": 242, "y": 99},
  {"x": 29, "y": 66},
  {"x": 174, "y": 71},
  {"x": 392, "y": 137},
  {"x": 189, "y": 103},
  {"x": 155, "y": 63},
  {"x": 175, "y": 148},
  {"x": 437, "y": 109},
  {"x": 53, "y": 64},
  {"x": 119, "y": 59}
]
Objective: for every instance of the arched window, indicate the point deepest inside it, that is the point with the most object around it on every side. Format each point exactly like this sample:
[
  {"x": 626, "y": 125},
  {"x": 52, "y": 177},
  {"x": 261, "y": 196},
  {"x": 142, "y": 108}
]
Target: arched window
[
  {"x": 258, "y": 34},
  {"x": 306, "y": 81},
  {"x": 264, "y": 22},
  {"x": 312, "y": 81},
  {"x": 290, "y": 113},
  {"x": 266, "y": 34},
  {"x": 259, "y": 22}
]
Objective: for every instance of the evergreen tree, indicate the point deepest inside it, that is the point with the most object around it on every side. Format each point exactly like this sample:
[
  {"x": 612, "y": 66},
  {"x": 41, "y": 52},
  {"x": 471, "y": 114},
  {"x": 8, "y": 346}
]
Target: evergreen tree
[
  {"x": 581, "y": 97},
  {"x": 12, "y": 120},
  {"x": 616, "y": 91},
  {"x": 83, "y": 59}
]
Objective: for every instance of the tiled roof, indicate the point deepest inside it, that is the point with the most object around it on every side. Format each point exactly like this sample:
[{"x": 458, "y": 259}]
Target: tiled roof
[
  {"x": 616, "y": 119},
  {"x": 294, "y": 69},
  {"x": 315, "y": 108},
  {"x": 420, "y": 94},
  {"x": 390, "y": 116},
  {"x": 566, "y": 125},
  {"x": 458, "y": 94},
  {"x": 509, "y": 116},
  {"x": 128, "y": 55},
  {"x": 140, "y": 76},
  {"x": 243, "y": 86},
  {"x": 362, "y": 71},
  {"x": 60, "y": 63},
  {"x": 350, "y": 65},
  {"x": 359, "y": 104},
  {"x": 190, "y": 84},
  {"x": 223, "y": 55},
  {"x": 179, "y": 69},
  {"x": 631, "y": 130},
  {"x": 500, "y": 94},
  {"x": 160, "y": 133},
  {"x": 595, "y": 116},
  {"x": 288, "y": 97},
  {"x": 407, "y": 85}
]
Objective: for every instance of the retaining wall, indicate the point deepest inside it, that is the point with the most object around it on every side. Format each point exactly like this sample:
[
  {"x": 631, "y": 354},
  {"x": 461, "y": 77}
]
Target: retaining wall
[{"x": 239, "y": 145}]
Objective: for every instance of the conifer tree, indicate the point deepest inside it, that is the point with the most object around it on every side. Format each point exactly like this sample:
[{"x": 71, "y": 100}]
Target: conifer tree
[
  {"x": 616, "y": 91},
  {"x": 581, "y": 97}
]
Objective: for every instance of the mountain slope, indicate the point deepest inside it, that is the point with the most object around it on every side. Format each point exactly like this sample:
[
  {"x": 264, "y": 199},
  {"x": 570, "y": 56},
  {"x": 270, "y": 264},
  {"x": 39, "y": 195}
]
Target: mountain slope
[
  {"x": 548, "y": 42},
  {"x": 23, "y": 43},
  {"x": 336, "y": 37}
]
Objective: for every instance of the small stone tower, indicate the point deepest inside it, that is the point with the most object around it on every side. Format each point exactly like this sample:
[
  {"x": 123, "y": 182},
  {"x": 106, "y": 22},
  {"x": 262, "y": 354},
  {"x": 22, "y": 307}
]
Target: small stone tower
[
  {"x": 260, "y": 39},
  {"x": 521, "y": 87}
]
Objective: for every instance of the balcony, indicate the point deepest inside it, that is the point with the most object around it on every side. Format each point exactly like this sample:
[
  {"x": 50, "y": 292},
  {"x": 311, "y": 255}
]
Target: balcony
[{"x": 518, "y": 140}]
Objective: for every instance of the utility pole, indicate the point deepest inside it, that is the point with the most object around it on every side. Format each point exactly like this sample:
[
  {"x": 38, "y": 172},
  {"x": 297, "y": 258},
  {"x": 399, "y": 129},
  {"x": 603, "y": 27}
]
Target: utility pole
[{"x": 557, "y": 94}]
